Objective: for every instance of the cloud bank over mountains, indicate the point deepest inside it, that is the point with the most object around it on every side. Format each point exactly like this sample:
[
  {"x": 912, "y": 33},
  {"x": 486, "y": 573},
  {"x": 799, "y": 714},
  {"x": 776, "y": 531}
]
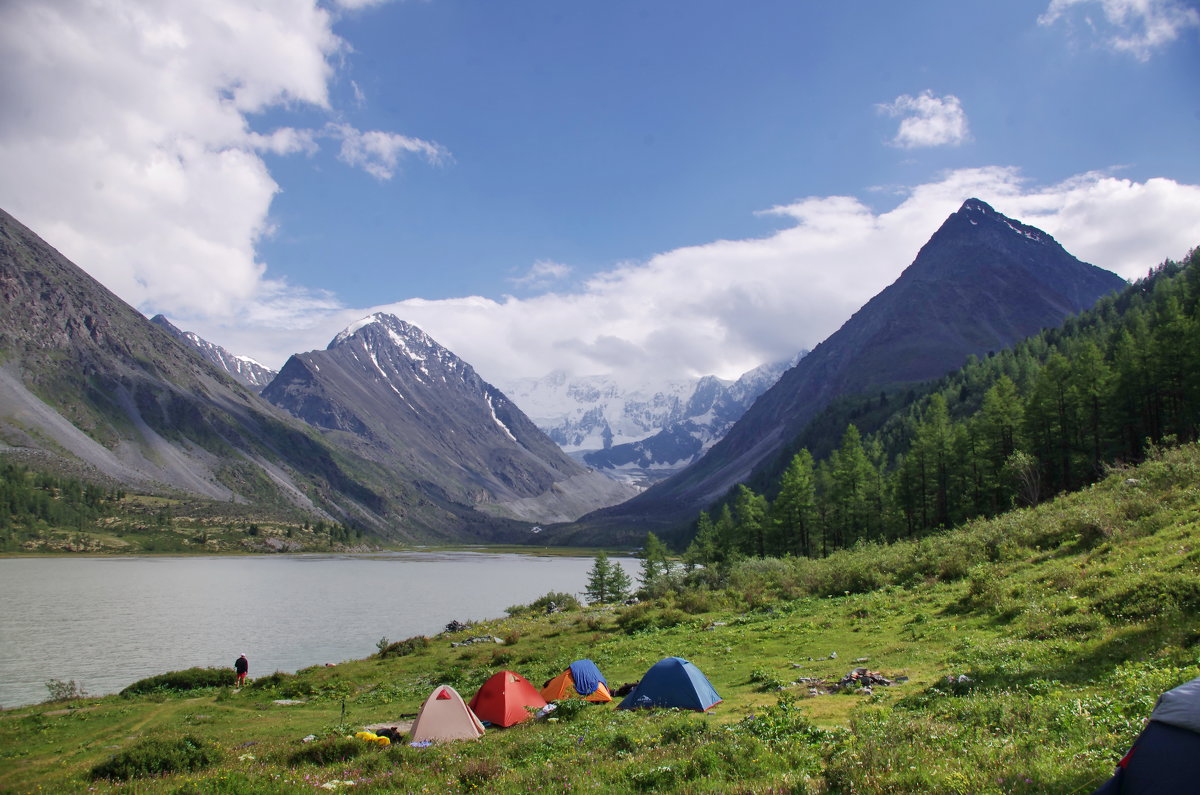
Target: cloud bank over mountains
[
  {"x": 136, "y": 138},
  {"x": 729, "y": 305}
]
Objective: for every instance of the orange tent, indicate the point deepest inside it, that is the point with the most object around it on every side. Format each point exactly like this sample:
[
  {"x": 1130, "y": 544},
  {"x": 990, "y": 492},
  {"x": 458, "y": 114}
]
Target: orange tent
[
  {"x": 563, "y": 686},
  {"x": 444, "y": 716},
  {"x": 503, "y": 698}
]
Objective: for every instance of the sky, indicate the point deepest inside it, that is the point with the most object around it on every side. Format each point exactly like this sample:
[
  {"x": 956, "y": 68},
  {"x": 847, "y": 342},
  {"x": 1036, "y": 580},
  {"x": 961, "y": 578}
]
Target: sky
[{"x": 650, "y": 190}]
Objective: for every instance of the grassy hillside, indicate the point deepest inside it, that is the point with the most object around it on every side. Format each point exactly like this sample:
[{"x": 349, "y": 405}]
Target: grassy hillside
[{"x": 1034, "y": 644}]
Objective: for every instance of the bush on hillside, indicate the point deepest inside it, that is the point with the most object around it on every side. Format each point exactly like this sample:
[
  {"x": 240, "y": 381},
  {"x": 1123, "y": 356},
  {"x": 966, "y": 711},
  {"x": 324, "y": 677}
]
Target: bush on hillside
[
  {"x": 552, "y": 602},
  {"x": 179, "y": 681},
  {"x": 403, "y": 648},
  {"x": 330, "y": 751},
  {"x": 157, "y": 756},
  {"x": 647, "y": 616},
  {"x": 284, "y": 685}
]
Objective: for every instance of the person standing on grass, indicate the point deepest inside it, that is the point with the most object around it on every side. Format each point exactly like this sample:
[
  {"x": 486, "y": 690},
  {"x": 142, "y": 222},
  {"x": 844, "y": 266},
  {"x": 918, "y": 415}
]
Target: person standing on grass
[{"x": 242, "y": 666}]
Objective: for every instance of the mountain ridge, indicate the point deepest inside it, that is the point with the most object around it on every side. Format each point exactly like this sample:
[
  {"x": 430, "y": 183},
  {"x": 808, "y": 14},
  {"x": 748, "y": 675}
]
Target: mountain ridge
[
  {"x": 982, "y": 282},
  {"x": 242, "y": 368},
  {"x": 403, "y": 400}
]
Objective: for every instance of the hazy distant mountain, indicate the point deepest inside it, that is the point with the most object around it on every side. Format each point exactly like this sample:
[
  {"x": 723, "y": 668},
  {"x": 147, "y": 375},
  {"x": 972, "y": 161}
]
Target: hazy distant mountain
[
  {"x": 595, "y": 412},
  {"x": 394, "y": 395},
  {"x": 639, "y": 435},
  {"x": 242, "y": 368},
  {"x": 981, "y": 283}
]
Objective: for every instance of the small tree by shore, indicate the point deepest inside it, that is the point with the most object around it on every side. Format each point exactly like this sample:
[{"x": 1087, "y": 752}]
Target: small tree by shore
[{"x": 607, "y": 581}]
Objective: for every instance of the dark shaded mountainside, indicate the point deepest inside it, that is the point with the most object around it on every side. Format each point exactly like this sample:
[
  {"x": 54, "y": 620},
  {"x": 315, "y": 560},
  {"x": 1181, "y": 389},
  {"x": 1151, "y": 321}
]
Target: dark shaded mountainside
[
  {"x": 982, "y": 283},
  {"x": 89, "y": 385},
  {"x": 395, "y": 396}
]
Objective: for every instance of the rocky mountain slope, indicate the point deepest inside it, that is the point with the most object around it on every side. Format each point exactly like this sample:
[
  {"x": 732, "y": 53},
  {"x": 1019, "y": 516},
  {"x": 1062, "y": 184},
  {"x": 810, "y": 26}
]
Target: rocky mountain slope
[
  {"x": 387, "y": 390},
  {"x": 87, "y": 381},
  {"x": 981, "y": 283},
  {"x": 243, "y": 369}
]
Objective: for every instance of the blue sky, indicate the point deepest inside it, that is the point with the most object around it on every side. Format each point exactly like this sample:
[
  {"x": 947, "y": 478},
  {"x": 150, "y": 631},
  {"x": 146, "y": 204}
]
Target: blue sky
[{"x": 650, "y": 189}]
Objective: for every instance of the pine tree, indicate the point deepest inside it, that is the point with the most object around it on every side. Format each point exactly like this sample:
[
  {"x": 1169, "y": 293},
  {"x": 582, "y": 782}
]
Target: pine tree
[
  {"x": 619, "y": 583},
  {"x": 750, "y": 518},
  {"x": 792, "y": 512},
  {"x": 599, "y": 579}
]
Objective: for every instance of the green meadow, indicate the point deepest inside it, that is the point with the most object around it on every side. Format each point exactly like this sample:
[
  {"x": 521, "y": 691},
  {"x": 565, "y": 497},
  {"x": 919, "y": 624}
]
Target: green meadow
[{"x": 1034, "y": 645}]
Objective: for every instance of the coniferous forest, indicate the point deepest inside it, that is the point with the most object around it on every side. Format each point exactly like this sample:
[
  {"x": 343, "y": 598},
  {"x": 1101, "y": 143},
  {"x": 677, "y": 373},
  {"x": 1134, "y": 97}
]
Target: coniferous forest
[{"x": 1011, "y": 429}]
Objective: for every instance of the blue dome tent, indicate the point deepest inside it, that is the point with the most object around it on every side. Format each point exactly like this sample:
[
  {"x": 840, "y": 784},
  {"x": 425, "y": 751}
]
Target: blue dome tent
[{"x": 673, "y": 682}]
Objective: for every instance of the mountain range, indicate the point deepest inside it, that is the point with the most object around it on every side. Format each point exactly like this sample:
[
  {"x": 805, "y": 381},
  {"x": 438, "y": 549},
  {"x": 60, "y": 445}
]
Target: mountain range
[
  {"x": 87, "y": 383},
  {"x": 386, "y": 429},
  {"x": 395, "y": 396},
  {"x": 640, "y": 434},
  {"x": 981, "y": 283}
]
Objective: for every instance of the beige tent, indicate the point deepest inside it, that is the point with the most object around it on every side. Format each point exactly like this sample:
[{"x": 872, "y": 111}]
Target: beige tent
[{"x": 445, "y": 716}]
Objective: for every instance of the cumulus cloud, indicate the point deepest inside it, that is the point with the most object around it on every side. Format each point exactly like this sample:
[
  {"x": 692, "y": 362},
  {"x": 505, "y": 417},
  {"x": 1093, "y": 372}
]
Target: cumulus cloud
[
  {"x": 926, "y": 120},
  {"x": 729, "y": 305},
  {"x": 1136, "y": 27},
  {"x": 126, "y": 139}
]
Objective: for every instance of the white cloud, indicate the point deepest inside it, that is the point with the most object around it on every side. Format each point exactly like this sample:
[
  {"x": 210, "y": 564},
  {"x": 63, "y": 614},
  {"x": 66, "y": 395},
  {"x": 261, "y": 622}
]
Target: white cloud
[
  {"x": 378, "y": 153},
  {"x": 125, "y": 138},
  {"x": 927, "y": 120},
  {"x": 542, "y": 274},
  {"x": 726, "y": 306},
  {"x": 1136, "y": 27}
]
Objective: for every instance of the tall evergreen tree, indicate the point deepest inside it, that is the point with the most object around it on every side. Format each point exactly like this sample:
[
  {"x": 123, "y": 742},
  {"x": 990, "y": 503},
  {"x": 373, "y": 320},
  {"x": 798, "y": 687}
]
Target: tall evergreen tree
[{"x": 793, "y": 509}]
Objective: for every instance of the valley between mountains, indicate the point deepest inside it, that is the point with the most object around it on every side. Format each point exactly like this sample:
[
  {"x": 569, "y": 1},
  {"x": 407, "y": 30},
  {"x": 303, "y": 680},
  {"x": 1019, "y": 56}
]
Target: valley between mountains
[{"x": 389, "y": 437}]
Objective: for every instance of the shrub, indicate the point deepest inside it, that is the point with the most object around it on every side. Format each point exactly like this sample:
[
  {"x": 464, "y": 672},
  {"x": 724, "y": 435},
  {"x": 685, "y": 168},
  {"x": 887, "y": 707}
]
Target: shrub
[
  {"x": 403, "y": 648},
  {"x": 694, "y": 601},
  {"x": 188, "y": 679},
  {"x": 766, "y": 680},
  {"x": 330, "y": 750},
  {"x": 570, "y": 708},
  {"x": 286, "y": 685},
  {"x": 636, "y": 618},
  {"x": 783, "y": 722},
  {"x": 156, "y": 756},
  {"x": 1160, "y": 593},
  {"x": 552, "y": 602},
  {"x": 478, "y": 772},
  {"x": 64, "y": 691}
]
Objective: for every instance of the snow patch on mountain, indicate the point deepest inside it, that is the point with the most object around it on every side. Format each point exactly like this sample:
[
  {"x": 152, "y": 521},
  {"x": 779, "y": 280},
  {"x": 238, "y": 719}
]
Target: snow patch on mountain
[{"x": 641, "y": 433}]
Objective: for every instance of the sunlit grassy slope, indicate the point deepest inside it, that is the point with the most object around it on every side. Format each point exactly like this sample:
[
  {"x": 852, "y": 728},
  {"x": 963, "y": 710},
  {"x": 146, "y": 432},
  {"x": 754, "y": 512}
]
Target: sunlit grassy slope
[{"x": 1066, "y": 621}]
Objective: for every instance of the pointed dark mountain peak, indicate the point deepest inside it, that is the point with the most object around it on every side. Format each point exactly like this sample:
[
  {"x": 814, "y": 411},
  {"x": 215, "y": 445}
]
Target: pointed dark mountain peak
[
  {"x": 981, "y": 283},
  {"x": 382, "y": 323},
  {"x": 393, "y": 347}
]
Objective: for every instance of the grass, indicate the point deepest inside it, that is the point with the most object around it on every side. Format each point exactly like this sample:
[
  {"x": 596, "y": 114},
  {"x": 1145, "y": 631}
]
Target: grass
[{"x": 1035, "y": 645}]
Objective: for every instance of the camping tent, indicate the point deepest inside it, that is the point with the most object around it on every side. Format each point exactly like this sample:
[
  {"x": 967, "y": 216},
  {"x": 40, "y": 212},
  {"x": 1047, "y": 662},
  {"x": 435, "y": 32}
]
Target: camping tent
[
  {"x": 503, "y": 698},
  {"x": 1166, "y": 755},
  {"x": 444, "y": 716},
  {"x": 673, "y": 682},
  {"x": 581, "y": 680}
]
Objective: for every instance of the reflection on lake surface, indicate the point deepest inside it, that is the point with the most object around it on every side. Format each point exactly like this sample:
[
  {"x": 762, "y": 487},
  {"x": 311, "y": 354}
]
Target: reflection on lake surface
[{"x": 107, "y": 622}]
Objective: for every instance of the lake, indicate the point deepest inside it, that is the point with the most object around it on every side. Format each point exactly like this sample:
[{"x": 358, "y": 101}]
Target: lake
[{"x": 107, "y": 622}]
